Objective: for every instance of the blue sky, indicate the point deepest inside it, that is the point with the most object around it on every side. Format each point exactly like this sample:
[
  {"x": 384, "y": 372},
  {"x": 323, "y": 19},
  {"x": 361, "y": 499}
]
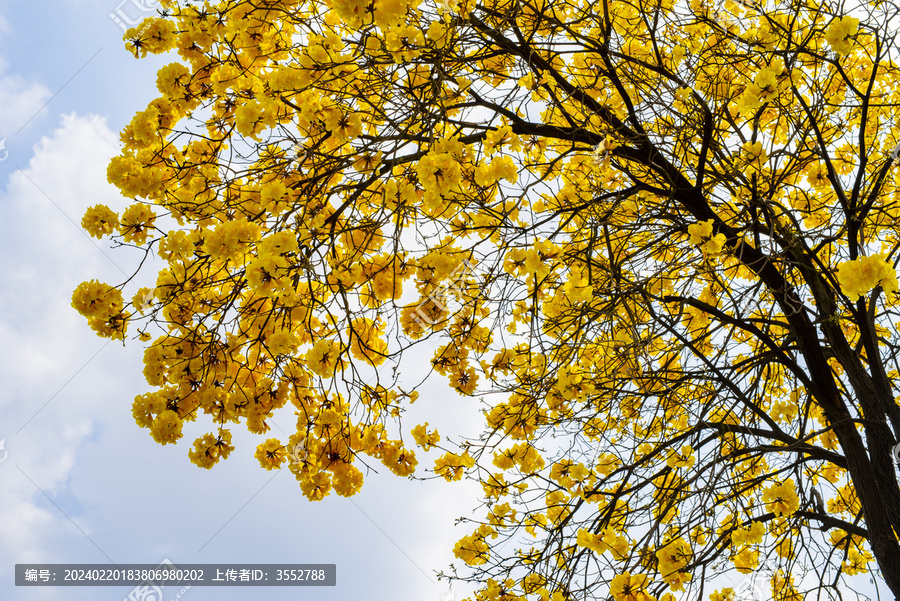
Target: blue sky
[{"x": 79, "y": 481}]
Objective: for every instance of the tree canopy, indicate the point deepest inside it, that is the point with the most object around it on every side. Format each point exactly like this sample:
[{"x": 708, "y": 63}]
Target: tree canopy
[{"x": 658, "y": 238}]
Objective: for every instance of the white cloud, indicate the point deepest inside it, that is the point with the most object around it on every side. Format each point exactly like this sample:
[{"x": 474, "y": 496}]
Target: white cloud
[
  {"x": 43, "y": 340},
  {"x": 20, "y": 100},
  {"x": 47, "y": 252}
]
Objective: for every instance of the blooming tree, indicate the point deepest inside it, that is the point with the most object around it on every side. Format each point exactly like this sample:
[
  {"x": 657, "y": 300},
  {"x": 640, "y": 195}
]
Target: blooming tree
[{"x": 658, "y": 238}]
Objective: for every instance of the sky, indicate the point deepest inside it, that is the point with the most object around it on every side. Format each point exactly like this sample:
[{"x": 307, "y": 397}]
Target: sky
[{"x": 80, "y": 482}]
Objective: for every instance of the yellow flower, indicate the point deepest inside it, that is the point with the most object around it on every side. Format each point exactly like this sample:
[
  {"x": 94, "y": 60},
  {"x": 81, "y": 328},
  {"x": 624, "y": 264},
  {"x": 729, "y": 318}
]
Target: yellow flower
[
  {"x": 464, "y": 380},
  {"x": 783, "y": 588},
  {"x": 99, "y": 221},
  {"x": 589, "y": 540},
  {"x": 496, "y": 139},
  {"x": 451, "y": 466},
  {"x": 683, "y": 459},
  {"x": 323, "y": 358},
  {"x": 628, "y": 587},
  {"x": 251, "y": 118},
  {"x": 860, "y": 276},
  {"x": 746, "y": 560},
  {"x": 97, "y": 300},
  {"x": 782, "y": 499},
  {"x": 271, "y": 454},
  {"x": 674, "y": 556},
  {"x": 209, "y": 449},
  {"x": 472, "y": 549},
  {"x": 426, "y": 440},
  {"x": 136, "y": 223},
  {"x": 166, "y": 427},
  {"x": 726, "y": 594},
  {"x": 272, "y": 196},
  {"x": 715, "y": 244},
  {"x": 366, "y": 342},
  {"x": 317, "y": 486},
  {"x": 495, "y": 486},
  {"x": 753, "y": 534},
  {"x": 170, "y": 78},
  {"x": 839, "y": 32},
  {"x": 347, "y": 479},
  {"x": 856, "y": 562},
  {"x": 700, "y": 231}
]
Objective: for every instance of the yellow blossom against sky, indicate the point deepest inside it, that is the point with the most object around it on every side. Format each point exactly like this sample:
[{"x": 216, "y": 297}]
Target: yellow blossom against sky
[{"x": 656, "y": 244}]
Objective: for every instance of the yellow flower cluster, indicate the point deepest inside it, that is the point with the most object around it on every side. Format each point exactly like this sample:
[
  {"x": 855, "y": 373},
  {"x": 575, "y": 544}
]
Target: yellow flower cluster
[
  {"x": 781, "y": 499},
  {"x": 631, "y": 587},
  {"x": 154, "y": 35},
  {"x": 701, "y": 233},
  {"x": 500, "y": 138},
  {"x": 99, "y": 221},
  {"x": 567, "y": 473},
  {"x": 860, "y": 276},
  {"x": 495, "y": 486},
  {"x": 753, "y": 157},
  {"x": 846, "y": 501},
  {"x": 768, "y": 83},
  {"x": 452, "y": 466},
  {"x": 608, "y": 539},
  {"x": 745, "y": 557},
  {"x": 324, "y": 358},
  {"x": 783, "y": 589},
  {"x": 487, "y": 174},
  {"x": 750, "y": 535},
  {"x": 685, "y": 458},
  {"x": 672, "y": 557},
  {"x": 519, "y": 417},
  {"x": 230, "y": 239},
  {"x": 523, "y": 455},
  {"x": 136, "y": 223},
  {"x": 474, "y": 549},
  {"x": 102, "y": 305},
  {"x": 558, "y": 508},
  {"x": 839, "y": 34},
  {"x": 425, "y": 439},
  {"x": 208, "y": 450},
  {"x": 745, "y": 560},
  {"x": 366, "y": 340},
  {"x": 134, "y": 226},
  {"x": 441, "y": 177},
  {"x": 858, "y": 557},
  {"x": 725, "y": 594}
]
